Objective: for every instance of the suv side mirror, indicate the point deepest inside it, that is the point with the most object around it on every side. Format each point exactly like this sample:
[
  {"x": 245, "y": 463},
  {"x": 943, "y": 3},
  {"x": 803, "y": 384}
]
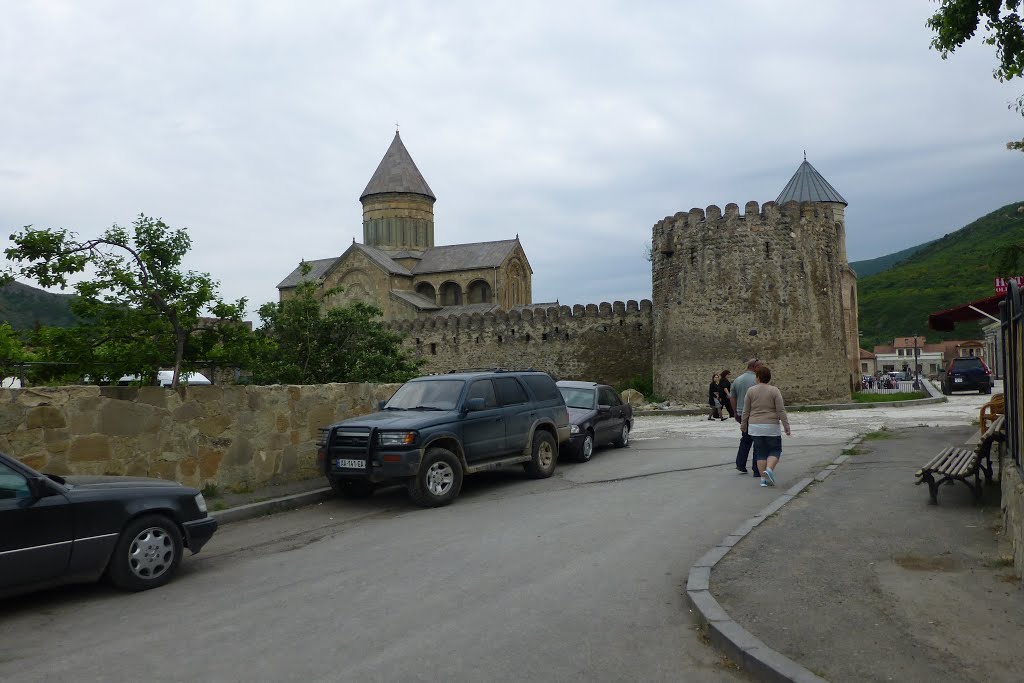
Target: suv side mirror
[
  {"x": 602, "y": 409},
  {"x": 381, "y": 404},
  {"x": 473, "y": 404}
]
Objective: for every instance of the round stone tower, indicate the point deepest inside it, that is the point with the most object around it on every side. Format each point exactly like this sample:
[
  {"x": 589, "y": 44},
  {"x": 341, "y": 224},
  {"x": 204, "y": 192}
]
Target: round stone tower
[{"x": 398, "y": 205}]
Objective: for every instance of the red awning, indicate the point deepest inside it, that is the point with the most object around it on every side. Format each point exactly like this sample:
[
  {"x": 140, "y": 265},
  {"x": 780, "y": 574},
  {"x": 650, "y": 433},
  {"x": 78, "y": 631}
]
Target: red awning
[{"x": 945, "y": 321}]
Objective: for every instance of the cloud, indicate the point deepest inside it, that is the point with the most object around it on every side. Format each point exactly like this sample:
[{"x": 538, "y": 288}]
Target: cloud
[{"x": 575, "y": 125}]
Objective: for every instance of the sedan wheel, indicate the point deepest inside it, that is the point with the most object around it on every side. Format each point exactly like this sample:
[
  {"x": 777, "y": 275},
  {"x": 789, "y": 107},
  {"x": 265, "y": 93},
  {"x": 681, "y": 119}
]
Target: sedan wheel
[
  {"x": 587, "y": 448},
  {"x": 147, "y": 554},
  {"x": 623, "y": 439}
]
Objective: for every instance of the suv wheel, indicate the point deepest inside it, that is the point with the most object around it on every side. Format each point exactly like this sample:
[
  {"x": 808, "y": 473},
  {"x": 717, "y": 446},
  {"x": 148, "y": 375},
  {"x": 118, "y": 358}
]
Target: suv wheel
[
  {"x": 545, "y": 455},
  {"x": 351, "y": 488},
  {"x": 439, "y": 480}
]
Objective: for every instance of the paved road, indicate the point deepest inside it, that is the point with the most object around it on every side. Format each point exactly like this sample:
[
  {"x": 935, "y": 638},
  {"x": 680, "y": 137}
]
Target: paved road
[{"x": 577, "y": 577}]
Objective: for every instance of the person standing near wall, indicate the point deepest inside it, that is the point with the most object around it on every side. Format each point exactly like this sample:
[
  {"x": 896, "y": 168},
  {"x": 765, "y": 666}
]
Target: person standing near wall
[
  {"x": 737, "y": 393},
  {"x": 764, "y": 418},
  {"x": 715, "y": 398},
  {"x": 724, "y": 388}
]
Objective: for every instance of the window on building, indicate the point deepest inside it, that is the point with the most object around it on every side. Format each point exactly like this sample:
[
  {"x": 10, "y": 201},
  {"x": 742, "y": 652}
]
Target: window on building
[
  {"x": 426, "y": 290},
  {"x": 479, "y": 292},
  {"x": 451, "y": 294}
]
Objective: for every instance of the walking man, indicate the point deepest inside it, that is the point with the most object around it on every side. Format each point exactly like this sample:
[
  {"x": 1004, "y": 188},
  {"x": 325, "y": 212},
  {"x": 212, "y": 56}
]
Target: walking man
[{"x": 737, "y": 393}]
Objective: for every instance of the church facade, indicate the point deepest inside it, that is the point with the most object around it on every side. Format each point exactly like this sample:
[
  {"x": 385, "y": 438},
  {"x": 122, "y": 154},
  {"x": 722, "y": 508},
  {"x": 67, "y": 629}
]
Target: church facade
[{"x": 398, "y": 268}]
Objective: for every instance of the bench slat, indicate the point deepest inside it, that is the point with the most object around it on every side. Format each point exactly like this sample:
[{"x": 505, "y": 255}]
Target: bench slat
[
  {"x": 965, "y": 464},
  {"x": 993, "y": 428},
  {"x": 933, "y": 462}
]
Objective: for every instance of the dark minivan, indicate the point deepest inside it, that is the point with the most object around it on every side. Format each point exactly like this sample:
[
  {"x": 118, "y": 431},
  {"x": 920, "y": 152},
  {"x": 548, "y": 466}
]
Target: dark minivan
[{"x": 439, "y": 428}]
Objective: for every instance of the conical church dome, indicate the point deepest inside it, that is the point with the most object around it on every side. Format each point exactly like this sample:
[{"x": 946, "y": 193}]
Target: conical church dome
[
  {"x": 807, "y": 185},
  {"x": 397, "y": 172}
]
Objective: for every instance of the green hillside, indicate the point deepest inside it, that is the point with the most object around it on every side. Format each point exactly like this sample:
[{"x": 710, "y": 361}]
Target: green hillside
[
  {"x": 951, "y": 271},
  {"x": 22, "y": 306},
  {"x": 877, "y": 265}
]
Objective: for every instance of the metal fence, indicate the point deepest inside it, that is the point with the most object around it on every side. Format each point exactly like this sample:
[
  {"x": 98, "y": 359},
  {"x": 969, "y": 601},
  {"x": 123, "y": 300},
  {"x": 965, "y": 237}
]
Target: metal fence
[
  {"x": 1012, "y": 319},
  {"x": 895, "y": 387}
]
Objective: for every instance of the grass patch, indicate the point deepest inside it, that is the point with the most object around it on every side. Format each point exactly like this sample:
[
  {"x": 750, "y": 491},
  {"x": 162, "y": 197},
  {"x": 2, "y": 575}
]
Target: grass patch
[
  {"x": 210, "y": 491},
  {"x": 852, "y": 451},
  {"x": 241, "y": 488},
  {"x": 882, "y": 433},
  {"x": 220, "y": 505},
  {"x": 1000, "y": 562},
  {"x": 862, "y": 397}
]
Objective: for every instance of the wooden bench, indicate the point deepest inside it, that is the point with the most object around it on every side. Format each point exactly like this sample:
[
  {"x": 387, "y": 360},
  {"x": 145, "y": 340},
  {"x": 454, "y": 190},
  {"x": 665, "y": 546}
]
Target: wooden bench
[{"x": 962, "y": 464}]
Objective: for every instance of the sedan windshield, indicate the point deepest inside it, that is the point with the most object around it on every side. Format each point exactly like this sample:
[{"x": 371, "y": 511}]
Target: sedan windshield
[
  {"x": 578, "y": 398},
  {"x": 428, "y": 394}
]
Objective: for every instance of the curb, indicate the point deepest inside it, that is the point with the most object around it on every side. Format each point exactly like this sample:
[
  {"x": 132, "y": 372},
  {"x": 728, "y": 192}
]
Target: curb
[
  {"x": 266, "y": 507},
  {"x": 742, "y": 646}
]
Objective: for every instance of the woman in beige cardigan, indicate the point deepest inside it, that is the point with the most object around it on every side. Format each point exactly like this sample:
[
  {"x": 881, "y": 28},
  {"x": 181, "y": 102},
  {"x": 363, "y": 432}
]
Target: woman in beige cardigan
[{"x": 763, "y": 411}]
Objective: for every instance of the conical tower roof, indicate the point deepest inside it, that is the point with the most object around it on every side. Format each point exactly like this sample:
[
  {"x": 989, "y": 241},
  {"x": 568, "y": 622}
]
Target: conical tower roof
[
  {"x": 807, "y": 185},
  {"x": 397, "y": 172}
]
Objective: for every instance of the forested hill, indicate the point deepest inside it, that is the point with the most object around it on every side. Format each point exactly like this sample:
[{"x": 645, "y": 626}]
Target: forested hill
[
  {"x": 951, "y": 271},
  {"x": 877, "y": 265},
  {"x": 22, "y": 306}
]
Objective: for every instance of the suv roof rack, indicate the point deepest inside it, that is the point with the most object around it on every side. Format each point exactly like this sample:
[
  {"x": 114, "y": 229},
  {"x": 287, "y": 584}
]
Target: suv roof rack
[{"x": 493, "y": 369}]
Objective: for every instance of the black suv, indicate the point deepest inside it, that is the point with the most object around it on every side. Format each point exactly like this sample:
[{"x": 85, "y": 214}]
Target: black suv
[
  {"x": 967, "y": 374},
  {"x": 439, "y": 428}
]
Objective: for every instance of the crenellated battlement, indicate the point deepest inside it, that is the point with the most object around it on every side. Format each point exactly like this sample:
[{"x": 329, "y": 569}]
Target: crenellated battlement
[
  {"x": 606, "y": 342},
  {"x": 816, "y": 224},
  {"x": 551, "y": 314},
  {"x": 769, "y": 212}
]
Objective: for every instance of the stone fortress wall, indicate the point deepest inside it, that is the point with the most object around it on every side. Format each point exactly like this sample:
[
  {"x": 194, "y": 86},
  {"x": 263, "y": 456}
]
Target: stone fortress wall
[
  {"x": 767, "y": 283},
  {"x": 606, "y": 342},
  {"x": 231, "y": 436}
]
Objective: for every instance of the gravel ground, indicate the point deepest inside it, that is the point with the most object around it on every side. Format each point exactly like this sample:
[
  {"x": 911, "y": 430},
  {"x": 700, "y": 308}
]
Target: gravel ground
[{"x": 961, "y": 409}]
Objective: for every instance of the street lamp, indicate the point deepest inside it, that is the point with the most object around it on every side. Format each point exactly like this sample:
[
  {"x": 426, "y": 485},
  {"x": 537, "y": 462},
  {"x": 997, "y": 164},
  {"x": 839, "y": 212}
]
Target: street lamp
[{"x": 917, "y": 368}]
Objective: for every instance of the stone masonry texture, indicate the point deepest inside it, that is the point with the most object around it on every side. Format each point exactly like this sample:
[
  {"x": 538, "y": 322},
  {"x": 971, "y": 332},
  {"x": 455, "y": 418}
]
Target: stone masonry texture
[
  {"x": 765, "y": 284},
  {"x": 607, "y": 342},
  {"x": 231, "y": 436}
]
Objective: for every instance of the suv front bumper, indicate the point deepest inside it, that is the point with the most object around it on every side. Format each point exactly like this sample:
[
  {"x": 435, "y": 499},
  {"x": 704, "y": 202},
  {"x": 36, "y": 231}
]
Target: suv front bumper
[{"x": 383, "y": 466}]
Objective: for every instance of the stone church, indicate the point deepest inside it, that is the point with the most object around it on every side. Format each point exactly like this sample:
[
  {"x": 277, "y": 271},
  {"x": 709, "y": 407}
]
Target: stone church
[{"x": 397, "y": 267}]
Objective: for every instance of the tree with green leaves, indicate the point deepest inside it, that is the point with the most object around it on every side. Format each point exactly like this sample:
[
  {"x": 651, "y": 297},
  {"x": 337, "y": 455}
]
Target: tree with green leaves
[
  {"x": 142, "y": 311},
  {"x": 957, "y": 21},
  {"x": 12, "y": 350},
  {"x": 301, "y": 343}
]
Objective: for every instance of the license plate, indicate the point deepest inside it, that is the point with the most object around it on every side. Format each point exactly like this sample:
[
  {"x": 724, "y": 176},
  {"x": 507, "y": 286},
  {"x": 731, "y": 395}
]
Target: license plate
[
  {"x": 351, "y": 464},
  {"x": 958, "y": 379}
]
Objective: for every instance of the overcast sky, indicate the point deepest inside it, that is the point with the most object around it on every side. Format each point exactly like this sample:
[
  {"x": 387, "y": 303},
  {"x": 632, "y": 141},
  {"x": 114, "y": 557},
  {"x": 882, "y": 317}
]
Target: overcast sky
[{"x": 576, "y": 125}]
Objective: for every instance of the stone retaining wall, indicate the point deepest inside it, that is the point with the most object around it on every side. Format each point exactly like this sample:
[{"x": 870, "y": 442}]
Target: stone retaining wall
[
  {"x": 231, "y": 436},
  {"x": 1012, "y": 503}
]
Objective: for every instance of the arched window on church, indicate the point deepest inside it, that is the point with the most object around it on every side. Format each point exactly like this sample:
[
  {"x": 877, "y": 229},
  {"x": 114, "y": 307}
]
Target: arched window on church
[
  {"x": 515, "y": 284},
  {"x": 479, "y": 292},
  {"x": 426, "y": 290},
  {"x": 451, "y": 294}
]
